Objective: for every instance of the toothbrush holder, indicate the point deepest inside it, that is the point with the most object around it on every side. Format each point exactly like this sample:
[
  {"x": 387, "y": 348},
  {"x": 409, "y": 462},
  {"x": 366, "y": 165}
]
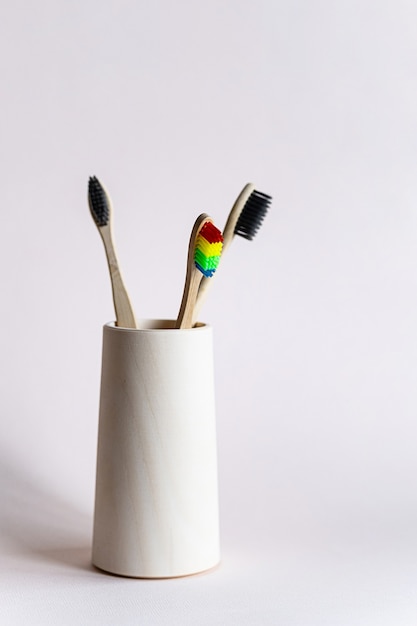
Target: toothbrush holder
[{"x": 156, "y": 504}]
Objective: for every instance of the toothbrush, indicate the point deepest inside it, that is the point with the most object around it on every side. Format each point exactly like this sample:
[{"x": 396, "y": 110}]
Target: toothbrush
[
  {"x": 245, "y": 219},
  {"x": 204, "y": 252},
  {"x": 101, "y": 211}
]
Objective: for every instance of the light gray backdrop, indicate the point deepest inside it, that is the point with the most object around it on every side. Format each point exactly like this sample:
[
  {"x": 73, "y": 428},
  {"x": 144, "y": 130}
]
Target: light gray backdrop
[{"x": 175, "y": 106}]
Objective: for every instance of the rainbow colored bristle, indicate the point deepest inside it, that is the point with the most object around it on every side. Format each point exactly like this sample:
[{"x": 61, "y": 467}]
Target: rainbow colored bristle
[{"x": 208, "y": 248}]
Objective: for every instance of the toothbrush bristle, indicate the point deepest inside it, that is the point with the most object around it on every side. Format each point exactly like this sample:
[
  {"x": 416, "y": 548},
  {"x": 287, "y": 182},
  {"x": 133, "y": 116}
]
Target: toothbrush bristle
[
  {"x": 98, "y": 201},
  {"x": 252, "y": 214},
  {"x": 208, "y": 248}
]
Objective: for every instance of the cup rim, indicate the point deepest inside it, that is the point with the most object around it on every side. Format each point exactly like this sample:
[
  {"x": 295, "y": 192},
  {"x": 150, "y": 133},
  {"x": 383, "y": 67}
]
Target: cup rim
[{"x": 157, "y": 324}]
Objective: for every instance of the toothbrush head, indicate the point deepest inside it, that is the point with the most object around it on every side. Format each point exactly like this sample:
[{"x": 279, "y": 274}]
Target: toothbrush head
[
  {"x": 208, "y": 248},
  {"x": 252, "y": 214},
  {"x": 99, "y": 202}
]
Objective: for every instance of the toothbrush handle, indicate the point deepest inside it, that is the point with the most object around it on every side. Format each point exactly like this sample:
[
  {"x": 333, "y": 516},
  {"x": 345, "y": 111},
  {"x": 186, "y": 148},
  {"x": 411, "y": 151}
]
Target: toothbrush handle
[
  {"x": 201, "y": 296},
  {"x": 125, "y": 316},
  {"x": 186, "y": 315},
  {"x": 228, "y": 234}
]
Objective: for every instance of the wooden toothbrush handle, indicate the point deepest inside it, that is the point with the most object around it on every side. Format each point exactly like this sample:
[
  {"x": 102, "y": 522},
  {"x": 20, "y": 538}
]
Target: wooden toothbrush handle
[
  {"x": 228, "y": 234},
  {"x": 186, "y": 314},
  {"x": 122, "y": 305},
  {"x": 192, "y": 278}
]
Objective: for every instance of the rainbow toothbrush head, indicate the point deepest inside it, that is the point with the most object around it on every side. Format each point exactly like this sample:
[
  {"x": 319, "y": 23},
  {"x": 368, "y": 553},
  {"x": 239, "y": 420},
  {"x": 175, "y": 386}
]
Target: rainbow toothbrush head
[
  {"x": 208, "y": 248},
  {"x": 205, "y": 248}
]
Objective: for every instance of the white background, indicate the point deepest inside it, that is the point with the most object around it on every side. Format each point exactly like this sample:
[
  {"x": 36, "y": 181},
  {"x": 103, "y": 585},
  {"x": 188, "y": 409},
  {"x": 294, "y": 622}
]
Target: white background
[{"x": 175, "y": 106}]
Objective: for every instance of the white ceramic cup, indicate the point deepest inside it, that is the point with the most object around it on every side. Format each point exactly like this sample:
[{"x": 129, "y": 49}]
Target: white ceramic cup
[{"x": 156, "y": 507}]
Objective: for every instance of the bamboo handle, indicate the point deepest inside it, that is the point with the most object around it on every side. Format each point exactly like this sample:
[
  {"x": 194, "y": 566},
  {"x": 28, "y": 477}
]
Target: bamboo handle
[
  {"x": 228, "y": 234},
  {"x": 122, "y": 305},
  {"x": 186, "y": 314},
  {"x": 192, "y": 280}
]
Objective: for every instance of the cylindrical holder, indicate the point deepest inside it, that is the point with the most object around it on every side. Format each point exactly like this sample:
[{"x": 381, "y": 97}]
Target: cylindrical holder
[{"x": 156, "y": 507}]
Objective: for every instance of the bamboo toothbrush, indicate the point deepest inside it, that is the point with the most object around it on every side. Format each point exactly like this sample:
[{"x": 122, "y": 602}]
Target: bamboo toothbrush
[
  {"x": 204, "y": 252},
  {"x": 245, "y": 219},
  {"x": 101, "y": 211}
]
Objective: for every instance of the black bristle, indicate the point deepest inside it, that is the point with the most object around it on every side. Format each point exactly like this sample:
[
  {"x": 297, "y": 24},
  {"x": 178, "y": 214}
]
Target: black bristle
[
  {"x": 99, "y": 204},
  {"x": 252, "y": 215}
]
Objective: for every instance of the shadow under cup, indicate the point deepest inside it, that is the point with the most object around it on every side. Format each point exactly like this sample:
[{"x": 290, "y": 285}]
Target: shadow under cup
[{"x": 156, "y": 508}]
